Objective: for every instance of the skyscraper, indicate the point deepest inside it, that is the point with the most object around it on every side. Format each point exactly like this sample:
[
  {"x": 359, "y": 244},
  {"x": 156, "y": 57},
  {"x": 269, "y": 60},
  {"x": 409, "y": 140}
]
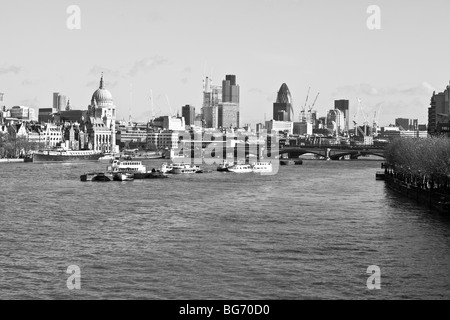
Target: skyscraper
[
  {"x": 230, "y": 90},
  {"x": 342, "y": 105},
  {"x": 229, "y": 113},
  {"x": 55, "y": 100},
  {"x": 212, "y": 97},
  {"x": 282, "y": 108},
  {"x": 59, "y": 102},
  {"x": 188, "y": 112}
]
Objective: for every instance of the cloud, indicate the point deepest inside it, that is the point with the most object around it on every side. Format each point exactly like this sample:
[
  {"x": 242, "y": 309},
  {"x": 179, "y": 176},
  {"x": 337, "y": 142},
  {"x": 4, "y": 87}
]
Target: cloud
[
  {"x": 27, "y": 83},
  {"x": 364, "y": 89},
  {"x": 184, "y": 80},
  {"x": 10, "y": 69},
  {"x": 147, "y": 64}
]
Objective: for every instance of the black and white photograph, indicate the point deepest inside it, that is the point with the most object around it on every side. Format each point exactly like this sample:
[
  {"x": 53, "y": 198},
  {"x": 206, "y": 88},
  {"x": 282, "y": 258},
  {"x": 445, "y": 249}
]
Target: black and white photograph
[{"x": 248, "y": 152}]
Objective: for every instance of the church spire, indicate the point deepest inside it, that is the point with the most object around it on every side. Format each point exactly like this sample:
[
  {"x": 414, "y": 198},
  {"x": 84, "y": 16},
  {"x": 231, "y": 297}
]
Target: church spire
[{"x": 101, "y": 82}]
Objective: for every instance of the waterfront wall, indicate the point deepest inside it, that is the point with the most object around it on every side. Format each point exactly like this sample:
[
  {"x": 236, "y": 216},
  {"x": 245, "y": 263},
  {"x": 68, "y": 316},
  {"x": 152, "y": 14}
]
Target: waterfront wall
[{"x": 420, "y": 170}]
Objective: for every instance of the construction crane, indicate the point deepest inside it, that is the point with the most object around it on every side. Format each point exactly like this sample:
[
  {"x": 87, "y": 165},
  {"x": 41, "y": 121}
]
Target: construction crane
[
  {"x": 168, "y": 103},
  {"x": 302, "y": 112},
  {"x": 376, "y": 119},
  {"x": 366, "y": 123},
  {"x": 153, "y": 107},
  {"x": 314, "y": 103}
]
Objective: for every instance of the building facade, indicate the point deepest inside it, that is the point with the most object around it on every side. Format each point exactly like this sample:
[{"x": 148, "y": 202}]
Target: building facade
[
  {"x": 335, "y": 121},
  {"x": 59, "y": 102},
  {"x": 101, "y": 122},
  {"x": 23, "y": 113},
  {"x": 274, "y": 126},
  {"x": 439, "y": 110},
  {"x": 188, "y": 113},
  {"x": 228, "y": 111},
  {"x": 212, "y": 98},
  {"x": 407, "y": 124},
  {"x": 343, "y": 106}
]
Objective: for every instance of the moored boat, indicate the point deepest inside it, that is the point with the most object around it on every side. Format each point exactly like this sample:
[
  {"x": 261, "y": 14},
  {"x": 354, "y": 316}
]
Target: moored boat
[
  {"x": 262, "y": 167},
  {"x": 287, "y": 162},
  {"x": 166, "y": 168},
  {"x": 185, "y": 168},
  {"x": 123, "y": 176},
  {"x": 223, "y": 167},
  {"x": 127, "y": 166},
  {"x": 100, "y": 176},
  {"x": 240, "y": 168},
  {"x": 66, "y": 156}
]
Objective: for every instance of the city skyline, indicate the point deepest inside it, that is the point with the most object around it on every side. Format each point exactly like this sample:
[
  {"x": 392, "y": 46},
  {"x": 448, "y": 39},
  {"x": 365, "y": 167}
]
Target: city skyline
[{"x": 142, "y": 50}]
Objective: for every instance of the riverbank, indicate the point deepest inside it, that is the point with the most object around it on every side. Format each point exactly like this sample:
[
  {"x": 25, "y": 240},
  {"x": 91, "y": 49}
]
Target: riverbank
[{"x": 429, "y": 197}]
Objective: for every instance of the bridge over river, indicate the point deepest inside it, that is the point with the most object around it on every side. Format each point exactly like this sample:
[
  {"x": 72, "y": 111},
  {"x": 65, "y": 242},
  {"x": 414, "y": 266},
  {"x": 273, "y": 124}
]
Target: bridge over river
[{"x": 333, "y": 152}]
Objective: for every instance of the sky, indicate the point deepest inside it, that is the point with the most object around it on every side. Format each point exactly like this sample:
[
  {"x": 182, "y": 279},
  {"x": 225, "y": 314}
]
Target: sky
[{"x": 167, "y": 47}]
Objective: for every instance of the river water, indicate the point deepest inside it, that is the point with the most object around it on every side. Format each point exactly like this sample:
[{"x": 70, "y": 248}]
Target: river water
[{"x": 309, "y": 232}]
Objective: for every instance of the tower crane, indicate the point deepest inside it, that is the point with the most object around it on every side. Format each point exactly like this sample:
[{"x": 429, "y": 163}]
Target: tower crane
[
  {"x": 376, "y": 119},
  {"x": 152, "y": 105},
  {"x": 302, "y": 112},
  {"x": 168, "y": 103},
  {"x": 314, "y": 103}
]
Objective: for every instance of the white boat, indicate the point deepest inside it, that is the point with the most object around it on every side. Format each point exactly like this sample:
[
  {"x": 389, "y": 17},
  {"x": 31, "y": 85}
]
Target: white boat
[
  {"x": 240, "y": 168},
  {"x": 107, "y": 157},
  {"x": 127, "y": 166},
  {"x": 262, "y": 167},
  {"x": 123, "y": 176},
  {"x": 166, "y": 168},
  {"x": 184, "y": 168}
]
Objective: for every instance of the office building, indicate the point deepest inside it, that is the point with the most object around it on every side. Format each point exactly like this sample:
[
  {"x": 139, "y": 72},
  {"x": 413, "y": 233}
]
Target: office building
[
  {"x": 343, "y": 106},
  {"x": 285, "y": 127},
  {"x": 282, "y": 108},
  {"x": 407, "y": 124},
  {"x": 335, "y": 121},
  {"x": 188, "y": 113},
  {"x": 303, "y": 128},
  {"x": 439, "y": 110},
  {"x": 45, "y": 115},
  {"x": 23, "y": 113},
  {"x": 59, "y": 102},
  {"x": 228, "y": 111},
  {"x": 230, "y": 90},
  {"x": 169, "y": 123},
  {"x": 212, "y": 98}
]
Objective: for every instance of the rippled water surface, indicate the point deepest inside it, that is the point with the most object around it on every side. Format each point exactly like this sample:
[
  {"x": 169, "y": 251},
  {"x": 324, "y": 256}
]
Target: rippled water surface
[{"x": 310, "y": 231}]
